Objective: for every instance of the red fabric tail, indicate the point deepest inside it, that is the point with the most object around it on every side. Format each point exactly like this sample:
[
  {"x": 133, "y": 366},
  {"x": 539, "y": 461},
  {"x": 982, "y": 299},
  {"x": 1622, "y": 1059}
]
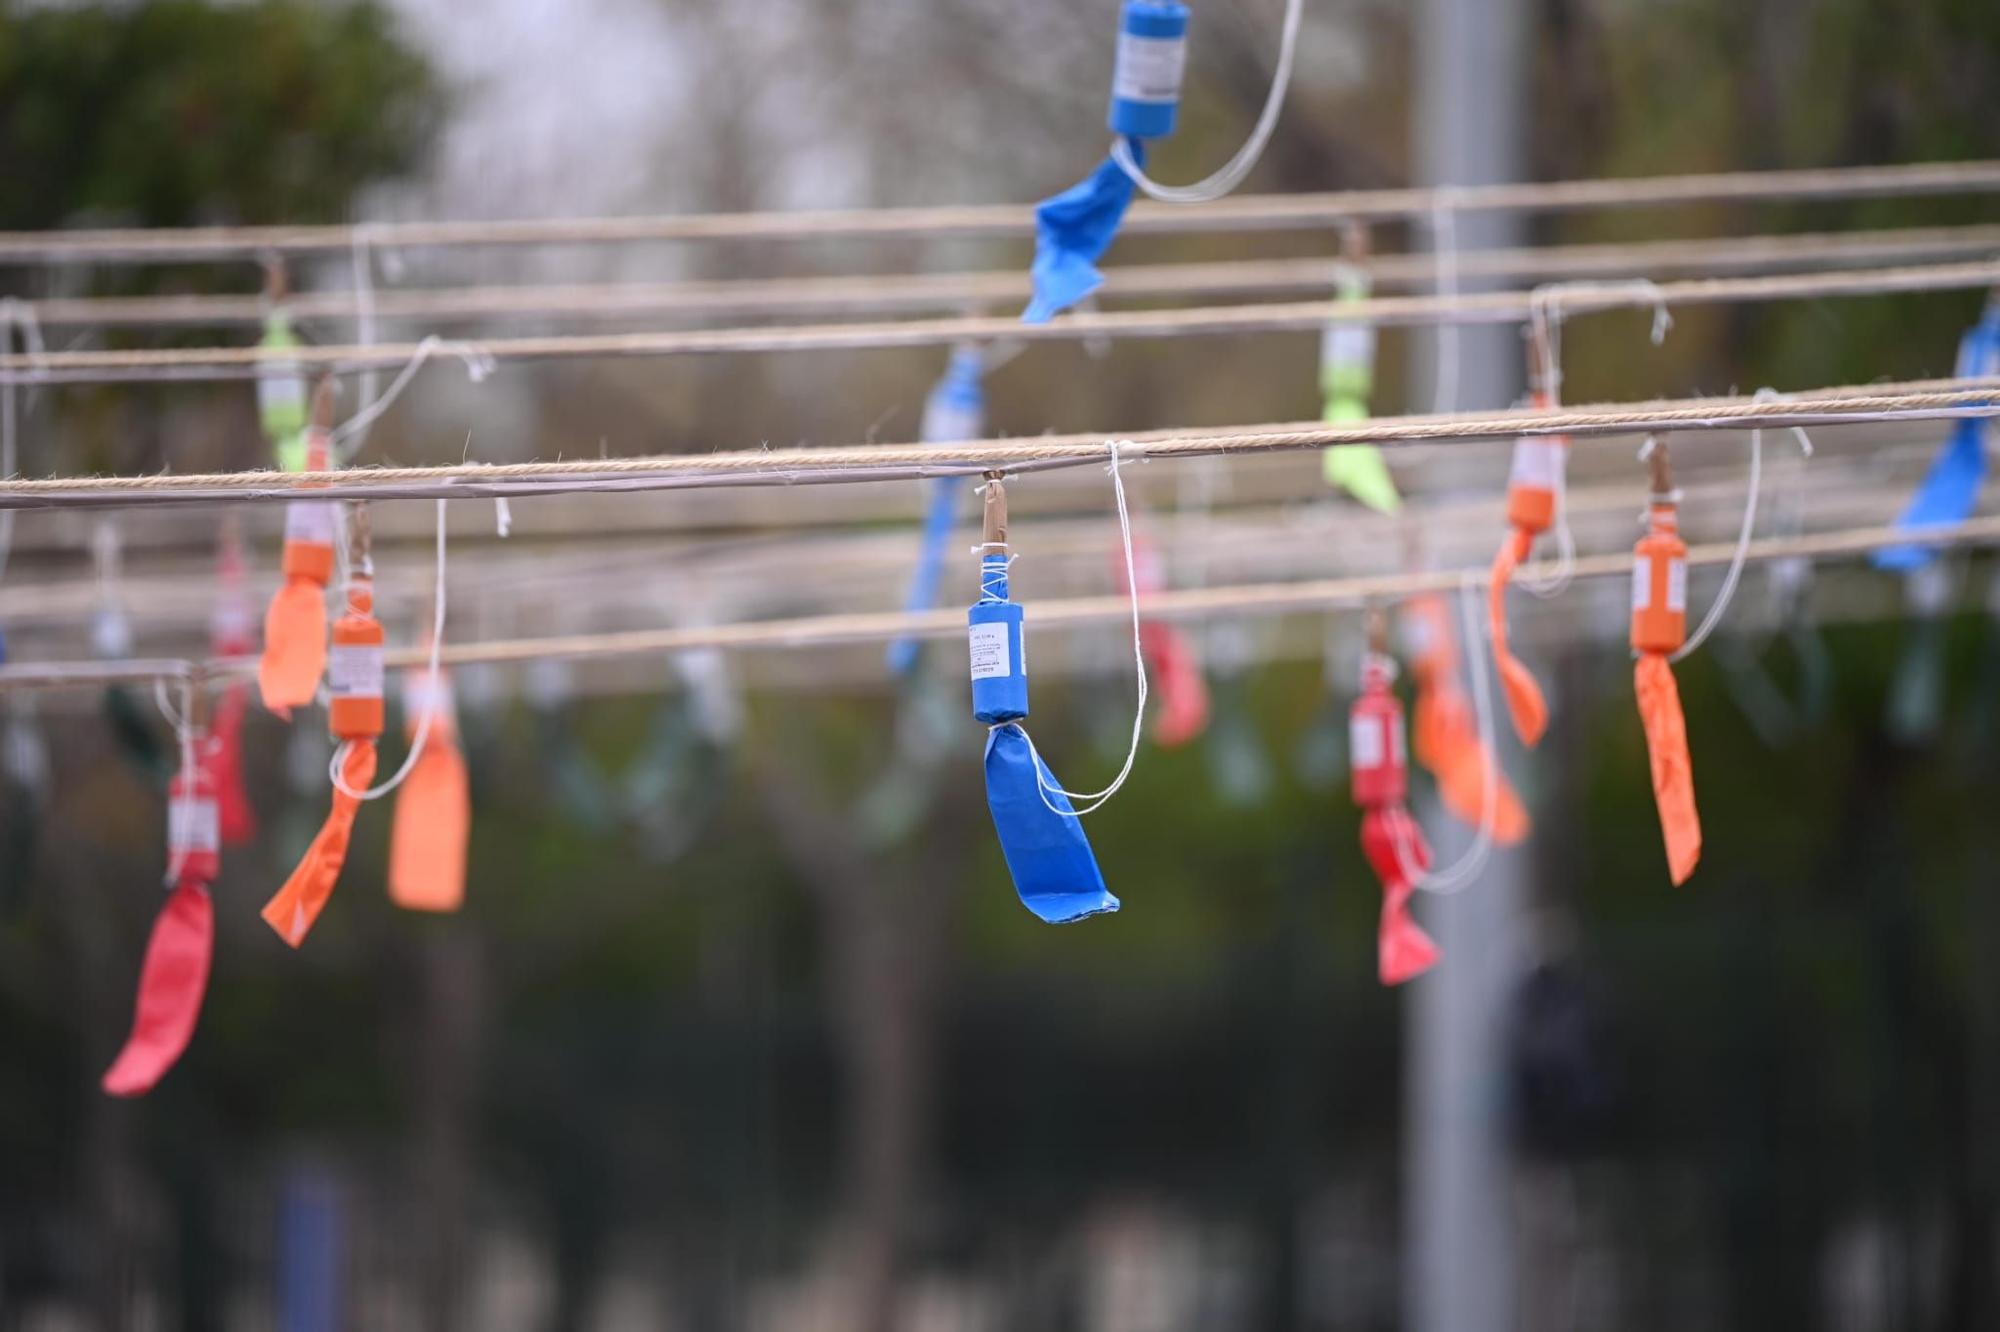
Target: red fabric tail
[
  {"x": 1178, "y": 681},
  {"x": 172, "y": 982},
  {"x": 1389, "y": 838},
  {"x": 238, "y": 821}
]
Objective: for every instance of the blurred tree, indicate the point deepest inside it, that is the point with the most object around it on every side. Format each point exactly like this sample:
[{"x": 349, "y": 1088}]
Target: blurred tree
[{"x": 175, "y": 112}]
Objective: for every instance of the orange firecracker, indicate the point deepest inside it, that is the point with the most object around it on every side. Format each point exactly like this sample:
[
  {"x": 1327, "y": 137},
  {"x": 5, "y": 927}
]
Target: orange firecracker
[
  {"x": 1659, "y": 627},
  {"x": 295, "y": 624},
  {"x": 354, "y": 716},
  {"x": 1534, "y": 491}
]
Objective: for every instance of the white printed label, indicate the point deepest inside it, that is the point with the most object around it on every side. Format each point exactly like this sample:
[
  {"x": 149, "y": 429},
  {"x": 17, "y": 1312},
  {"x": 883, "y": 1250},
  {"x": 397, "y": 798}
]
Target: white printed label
[
  {"x": 309, "y": 522},
  {"x": 1364, "y": 742},
  {"x": 193, "y": 826},
  {"x": 354, "y": 671},
  {"x": 1349, "y": 348},
  {"x": 1538, "y": 463},
  {"x": 1642, "y": 582},
  {"x": 990, "y": 657},
  {"x": 279, "y": 388},
  {"x": 1677, "y": 586},
  {"x": 1149, "y": 69},
  {"x": 423, "y": 692}
]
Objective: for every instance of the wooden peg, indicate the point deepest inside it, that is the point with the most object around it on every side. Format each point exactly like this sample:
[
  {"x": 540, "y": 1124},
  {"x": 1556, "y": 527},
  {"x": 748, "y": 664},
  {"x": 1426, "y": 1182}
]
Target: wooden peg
[
  {"x": 197, "y": 700},
  {"x": 277, "y": 282},
  {"x": 995, "y": 535},
  {"x": 360, "y": 538},
  {"x": 1378, "y": 631},
  {"x": 324, "y": 393},
  {"x": 1662, "y": 469},
  {"x": 1356, "y": 244}
]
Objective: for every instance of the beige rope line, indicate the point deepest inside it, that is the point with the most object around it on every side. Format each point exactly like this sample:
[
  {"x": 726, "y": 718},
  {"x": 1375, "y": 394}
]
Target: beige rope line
[
  {"x": 1910, "y": 401},
  {"x": 1247, "y": 213},
  {"x": 1473, "y": 308},
  {"x": 1179, "y": 604},
  {"x": 926, "y": 291}
]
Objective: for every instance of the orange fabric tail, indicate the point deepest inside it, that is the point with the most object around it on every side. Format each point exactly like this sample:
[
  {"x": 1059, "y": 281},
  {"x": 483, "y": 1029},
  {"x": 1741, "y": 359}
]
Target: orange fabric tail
[
  {"x": 1445, "y": 740},
  {"x": 1524, "y": 697},
  {"x": 294, "y": 646},
  {"x": 433, "y": 821},
  {"x": 1673, "y": 771},
  {"x": 298, "y": 904},
  {"x": 1444, "y": 735}
]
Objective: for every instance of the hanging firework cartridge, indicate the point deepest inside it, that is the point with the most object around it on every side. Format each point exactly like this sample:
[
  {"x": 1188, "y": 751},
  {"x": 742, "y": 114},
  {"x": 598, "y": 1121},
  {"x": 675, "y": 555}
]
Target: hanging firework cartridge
[
  {"x": 288, "y": 675},
  {"x": 1346, "y": 381},
  {"x": 1659, "y": 628},
  {"x": 173, "y": 979},
  {"x": 231, "y": 633},
  {"x": 433, "y": 819},
  {"x": 1076, "y": 227},
  {"x": 1171, "y": 660},
  {"x": 1534, "y": 497},
  {"x": 1047, "y": 854},
  {"x": 1950, "y": 488},
  {"x": 281, "y": 384},
  {"x": 354, "y": 679},
  {"x": 1445, "y": 734},
  {"x": 1390, "y": 838},
  {"x": 954, "y": 413}
]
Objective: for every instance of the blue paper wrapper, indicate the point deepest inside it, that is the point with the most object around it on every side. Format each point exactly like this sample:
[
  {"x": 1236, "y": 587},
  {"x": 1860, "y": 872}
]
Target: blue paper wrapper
[{"x": 1047, "y": 853}]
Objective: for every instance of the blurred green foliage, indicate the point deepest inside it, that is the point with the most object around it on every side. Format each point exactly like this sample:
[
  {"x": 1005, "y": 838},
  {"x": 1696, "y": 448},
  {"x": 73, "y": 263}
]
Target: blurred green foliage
[{"x": 179, "y": 112}]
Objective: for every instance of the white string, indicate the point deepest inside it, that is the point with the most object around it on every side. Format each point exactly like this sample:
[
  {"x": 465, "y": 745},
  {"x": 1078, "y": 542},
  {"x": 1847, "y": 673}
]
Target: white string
[
  {"x": 1478, "y": 654},
  {"x": 1236, "y": 168},
  {"x": 181, "y": 720},
  {"x": 339, "y": 761},
  {"x": 1743, "y": 535},
  {"x": 1444, "y": 247},
  {"x": 479, "y": 364},
  {"x": 1083, "y": 803},
  {"x": 362, "y": 265},
  {"x": 1545, "y": 326},
  {"x": 14, "y": 313}
]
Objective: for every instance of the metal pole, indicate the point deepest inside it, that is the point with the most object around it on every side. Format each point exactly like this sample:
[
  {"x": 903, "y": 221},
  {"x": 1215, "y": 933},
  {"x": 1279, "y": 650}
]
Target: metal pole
[{"x": 1459, "y": 1243}]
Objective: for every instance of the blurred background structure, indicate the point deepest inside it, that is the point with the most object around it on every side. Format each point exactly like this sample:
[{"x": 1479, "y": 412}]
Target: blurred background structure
[{"x": 742, "y": 1025}]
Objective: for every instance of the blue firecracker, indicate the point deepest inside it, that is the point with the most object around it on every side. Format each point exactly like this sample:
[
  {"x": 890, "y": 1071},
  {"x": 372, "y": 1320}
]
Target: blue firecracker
[
  {"x": 1951, "y": 488},
  {"x": 1076, "y": 227},
  {"x": 1047, "y": 854},
  {"x": 955, "y": 412}
]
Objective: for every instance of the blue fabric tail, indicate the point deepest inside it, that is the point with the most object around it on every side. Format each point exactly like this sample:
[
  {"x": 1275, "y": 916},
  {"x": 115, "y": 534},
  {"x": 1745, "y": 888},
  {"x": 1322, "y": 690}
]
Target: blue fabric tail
[
  {"x": 923, "y": 595},
  {"x": 1072, "y": 232},
  {"x": 1946, "y": 497},
  {"x": 1950, "y": 489},
  {"x": 1047, "y": 853}
]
